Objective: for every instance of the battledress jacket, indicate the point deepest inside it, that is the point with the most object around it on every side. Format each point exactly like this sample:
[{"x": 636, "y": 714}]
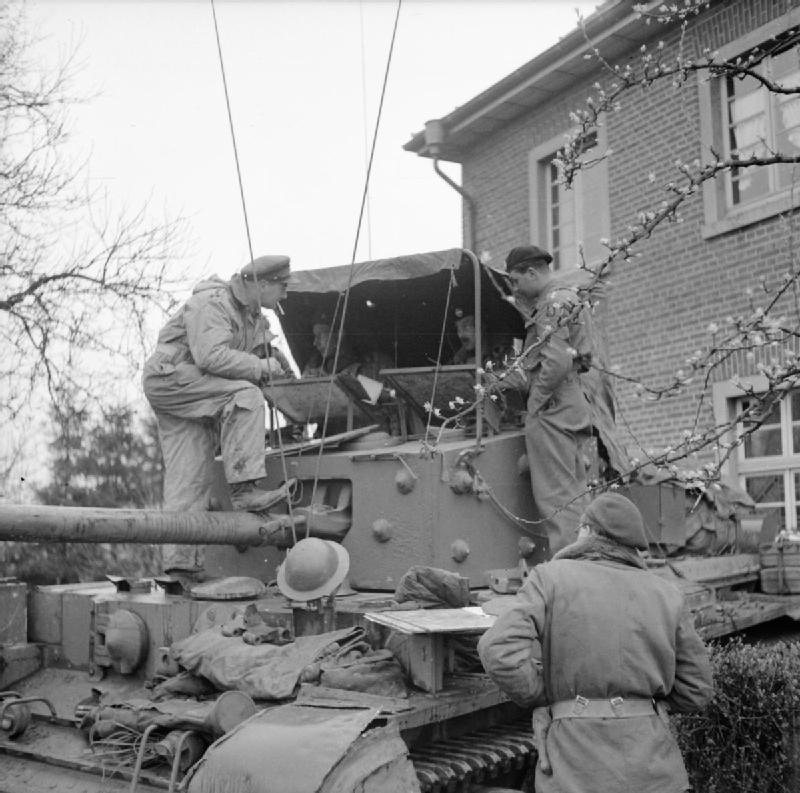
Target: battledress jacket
[
  {"x": 601, "y": 628},
  {"x": 547, "y": 375}
]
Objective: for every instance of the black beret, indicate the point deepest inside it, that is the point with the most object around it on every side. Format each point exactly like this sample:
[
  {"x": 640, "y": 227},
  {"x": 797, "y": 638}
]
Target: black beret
[
  {"x": 617, "y": 517},
  {"x": 526, "y": 254},
  {"x": 267, "y": 268}
]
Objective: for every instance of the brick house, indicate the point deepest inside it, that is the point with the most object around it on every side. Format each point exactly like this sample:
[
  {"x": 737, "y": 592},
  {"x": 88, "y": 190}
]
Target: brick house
[{"x": 690, "y": 274}]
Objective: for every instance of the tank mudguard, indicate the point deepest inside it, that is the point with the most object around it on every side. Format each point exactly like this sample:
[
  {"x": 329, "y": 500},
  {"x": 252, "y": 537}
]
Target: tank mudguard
[{"x": 299, "y": 749}]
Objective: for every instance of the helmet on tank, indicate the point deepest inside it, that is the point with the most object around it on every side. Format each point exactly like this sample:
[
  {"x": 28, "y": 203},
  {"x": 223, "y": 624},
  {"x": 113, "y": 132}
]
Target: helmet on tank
[{"x": 313, "y": 568}]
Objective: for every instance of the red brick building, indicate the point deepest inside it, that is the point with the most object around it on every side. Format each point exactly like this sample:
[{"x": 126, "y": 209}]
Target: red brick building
[{"x": 741, "y": 229}]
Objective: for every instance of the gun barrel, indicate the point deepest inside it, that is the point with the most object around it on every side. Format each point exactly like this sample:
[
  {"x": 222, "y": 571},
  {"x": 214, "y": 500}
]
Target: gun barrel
[{"x": 35, "y": 523}]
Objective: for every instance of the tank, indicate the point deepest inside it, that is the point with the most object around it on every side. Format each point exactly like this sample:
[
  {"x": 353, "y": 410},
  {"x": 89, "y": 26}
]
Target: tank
[{"x": 241, "y": 684}]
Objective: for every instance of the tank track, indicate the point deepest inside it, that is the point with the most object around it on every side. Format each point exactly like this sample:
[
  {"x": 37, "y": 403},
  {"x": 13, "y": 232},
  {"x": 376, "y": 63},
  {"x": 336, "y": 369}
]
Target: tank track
[{"x": 452, "y": 765}]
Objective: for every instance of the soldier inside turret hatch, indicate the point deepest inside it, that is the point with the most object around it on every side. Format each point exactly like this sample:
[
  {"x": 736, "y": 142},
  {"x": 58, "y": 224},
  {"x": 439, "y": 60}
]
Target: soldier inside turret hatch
[{"x": 203, "y": 380}]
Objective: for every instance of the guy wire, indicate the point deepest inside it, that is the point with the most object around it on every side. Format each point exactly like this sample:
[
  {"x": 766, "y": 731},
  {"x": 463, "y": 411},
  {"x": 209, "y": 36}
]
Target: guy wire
[
  {"x": 364, "y": 196},
  {"x": 250, "y": 245}
]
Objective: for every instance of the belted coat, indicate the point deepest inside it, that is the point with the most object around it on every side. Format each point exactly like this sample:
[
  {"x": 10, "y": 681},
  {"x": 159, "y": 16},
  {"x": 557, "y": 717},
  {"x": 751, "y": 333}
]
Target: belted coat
[{"x": 601, "y": 626}]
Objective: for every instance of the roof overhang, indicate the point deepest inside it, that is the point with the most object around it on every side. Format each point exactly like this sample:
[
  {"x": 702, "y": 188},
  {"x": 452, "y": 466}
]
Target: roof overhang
[{"x": 615, "y": 29}]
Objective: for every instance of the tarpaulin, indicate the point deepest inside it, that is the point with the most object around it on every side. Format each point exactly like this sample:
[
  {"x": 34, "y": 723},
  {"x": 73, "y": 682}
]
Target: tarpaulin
[{"x": 264, "y": 671}]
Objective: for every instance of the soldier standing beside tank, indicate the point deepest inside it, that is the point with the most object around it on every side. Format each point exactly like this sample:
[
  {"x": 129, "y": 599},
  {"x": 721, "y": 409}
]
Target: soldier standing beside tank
[
  {"x": 204, "y": 382},
  {"x": 603, "y": 649},
  {"x": 558, "y": 422}
]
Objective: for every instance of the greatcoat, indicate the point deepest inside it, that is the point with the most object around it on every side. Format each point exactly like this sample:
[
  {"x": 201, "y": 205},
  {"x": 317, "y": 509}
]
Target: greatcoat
[{"x": 600, "y": 626}]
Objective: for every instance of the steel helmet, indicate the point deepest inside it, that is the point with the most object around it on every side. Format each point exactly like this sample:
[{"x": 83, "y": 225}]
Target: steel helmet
[{"x": 313, "y": 568}]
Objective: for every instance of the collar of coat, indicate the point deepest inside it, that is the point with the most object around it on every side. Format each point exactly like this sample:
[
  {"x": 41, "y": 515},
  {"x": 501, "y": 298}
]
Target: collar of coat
[
  {"x": 243, "y": 296},
  {"x": 598, "y": 549}
]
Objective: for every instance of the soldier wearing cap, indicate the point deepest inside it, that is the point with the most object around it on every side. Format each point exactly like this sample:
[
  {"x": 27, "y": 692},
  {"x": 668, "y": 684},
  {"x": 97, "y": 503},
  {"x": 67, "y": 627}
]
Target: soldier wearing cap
[
  {"x": 465, "y": 330},
  {"x": 558, "y": 422},
  {"x": 203, "y": 382},
  {"x": 603, "y": 649},
  {"x": 495, "y": 348}
]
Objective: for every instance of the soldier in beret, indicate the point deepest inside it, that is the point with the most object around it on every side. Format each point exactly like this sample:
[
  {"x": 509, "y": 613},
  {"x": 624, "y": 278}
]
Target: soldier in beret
[
  {"x": 558, "y": 421},
  {"x": 204, "y": 382},
  {"x": 603, "y": 649}
]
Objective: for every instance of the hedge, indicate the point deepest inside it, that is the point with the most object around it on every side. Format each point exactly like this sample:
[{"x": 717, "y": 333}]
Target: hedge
[{"x": 747, "y": 740}]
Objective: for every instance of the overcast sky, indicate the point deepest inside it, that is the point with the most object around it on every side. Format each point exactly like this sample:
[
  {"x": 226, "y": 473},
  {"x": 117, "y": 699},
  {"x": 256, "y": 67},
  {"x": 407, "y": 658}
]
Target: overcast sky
[{"x": 304, "y": 80}]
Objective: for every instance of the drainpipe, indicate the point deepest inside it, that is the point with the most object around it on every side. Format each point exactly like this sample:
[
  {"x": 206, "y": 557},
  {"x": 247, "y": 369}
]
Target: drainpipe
[{"x": 434, "y": 138}]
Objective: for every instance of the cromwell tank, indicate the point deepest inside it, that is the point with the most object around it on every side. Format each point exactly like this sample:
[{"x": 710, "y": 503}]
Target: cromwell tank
[{"x": 333, "y": 646}]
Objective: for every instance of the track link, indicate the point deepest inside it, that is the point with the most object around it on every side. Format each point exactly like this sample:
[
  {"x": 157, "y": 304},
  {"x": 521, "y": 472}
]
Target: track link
[{"x": 453, "y": 764}]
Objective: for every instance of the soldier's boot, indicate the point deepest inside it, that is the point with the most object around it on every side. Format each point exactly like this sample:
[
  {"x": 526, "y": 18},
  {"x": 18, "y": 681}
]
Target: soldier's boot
[{"x": 249, "y": 498}]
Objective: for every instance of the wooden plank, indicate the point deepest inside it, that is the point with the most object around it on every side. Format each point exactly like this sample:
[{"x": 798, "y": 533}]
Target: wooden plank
[
  {"x": 718, "y": 570},
  {"x": 329, "y": 442},
  {"x": 425, "y": 657},
  {"x": 737, "y": 620},
  {"x": 463, "y": 620}
]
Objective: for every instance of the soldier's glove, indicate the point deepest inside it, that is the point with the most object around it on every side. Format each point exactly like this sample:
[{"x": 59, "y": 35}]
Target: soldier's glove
[
  {"x": 286, "y": 367},
  {"x": 541, "y": 723}
]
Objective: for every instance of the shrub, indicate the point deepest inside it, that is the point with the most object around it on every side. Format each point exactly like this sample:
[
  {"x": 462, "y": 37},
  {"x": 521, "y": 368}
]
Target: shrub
[
  {"x": 746, "y": 740},
  {"x": 69, "y": 563}
]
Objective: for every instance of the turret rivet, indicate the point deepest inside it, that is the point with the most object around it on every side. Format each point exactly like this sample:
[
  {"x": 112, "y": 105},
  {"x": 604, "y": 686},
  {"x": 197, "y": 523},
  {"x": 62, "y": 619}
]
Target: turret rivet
[
  {"x": 382, "y": 530},
  {"x": 459, "y": 550}
]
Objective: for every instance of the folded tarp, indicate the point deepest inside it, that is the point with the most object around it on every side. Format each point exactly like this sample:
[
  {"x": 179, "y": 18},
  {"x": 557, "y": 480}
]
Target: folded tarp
[{"x": 264, "y": 671}]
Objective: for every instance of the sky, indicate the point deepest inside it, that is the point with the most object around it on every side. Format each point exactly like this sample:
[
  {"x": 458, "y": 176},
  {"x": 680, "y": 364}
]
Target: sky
[{"x": 304, "y": 81}]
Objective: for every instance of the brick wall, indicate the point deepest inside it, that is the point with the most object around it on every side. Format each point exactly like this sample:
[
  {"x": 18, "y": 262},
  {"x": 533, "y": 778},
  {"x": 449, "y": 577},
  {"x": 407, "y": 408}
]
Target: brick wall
[{"x": 659, "y": 308}]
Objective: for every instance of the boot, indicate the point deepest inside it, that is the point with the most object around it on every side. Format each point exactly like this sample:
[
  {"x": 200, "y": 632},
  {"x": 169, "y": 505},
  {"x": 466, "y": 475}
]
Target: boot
[{"x": 249, "y": 498}]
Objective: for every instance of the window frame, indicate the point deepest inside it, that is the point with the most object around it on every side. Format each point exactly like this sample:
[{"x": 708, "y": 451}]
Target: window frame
[
  {"x": 540, "y": 201},
  {"x": 719, "y": 216},
  {"x": 725, "y": 396}
]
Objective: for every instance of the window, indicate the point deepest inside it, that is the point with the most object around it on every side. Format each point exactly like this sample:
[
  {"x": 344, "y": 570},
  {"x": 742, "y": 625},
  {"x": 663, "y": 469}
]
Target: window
[
  {"x": 768, "y": 462},
  {"x": 758, "y": 122},
  {"x": 740, "y": 118},
  {"x": 561, "y": 218}
]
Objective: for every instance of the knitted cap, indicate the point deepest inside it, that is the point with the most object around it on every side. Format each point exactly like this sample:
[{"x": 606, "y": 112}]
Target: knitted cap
[{"x": 617, "y": 517}]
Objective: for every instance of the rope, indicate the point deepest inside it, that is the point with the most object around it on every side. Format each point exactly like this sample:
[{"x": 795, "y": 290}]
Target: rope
[
  {"x": 343, "y": 300},
  {"x": 250, "y": 246}
]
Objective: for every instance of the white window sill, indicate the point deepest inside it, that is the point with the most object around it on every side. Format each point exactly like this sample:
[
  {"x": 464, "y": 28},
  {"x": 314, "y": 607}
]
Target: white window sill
[{"x": 742, "y": 216}]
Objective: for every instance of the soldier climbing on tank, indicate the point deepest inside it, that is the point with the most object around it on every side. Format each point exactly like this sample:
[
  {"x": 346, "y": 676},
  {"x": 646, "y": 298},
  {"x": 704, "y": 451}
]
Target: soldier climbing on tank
[{"x": 204, "y": 383}]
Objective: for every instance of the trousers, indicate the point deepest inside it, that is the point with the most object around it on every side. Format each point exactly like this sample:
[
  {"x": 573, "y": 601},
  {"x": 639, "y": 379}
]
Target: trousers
[
  {"x": 193, "y": 409},
  {"x": 554, "y": 438}
]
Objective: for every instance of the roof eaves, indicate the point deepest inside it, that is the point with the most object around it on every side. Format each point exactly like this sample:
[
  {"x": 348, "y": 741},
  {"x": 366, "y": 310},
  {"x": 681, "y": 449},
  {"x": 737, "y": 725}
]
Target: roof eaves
[{"x": 612, "y": 23}]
